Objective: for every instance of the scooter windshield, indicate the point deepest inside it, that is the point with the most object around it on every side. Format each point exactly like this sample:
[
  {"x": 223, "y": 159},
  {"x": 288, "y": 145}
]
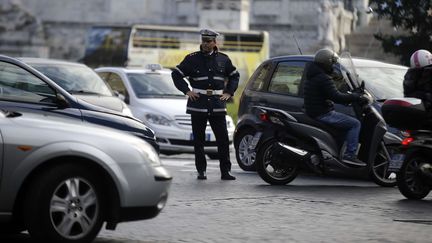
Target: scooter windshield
[{"x": 348, "y": 70}]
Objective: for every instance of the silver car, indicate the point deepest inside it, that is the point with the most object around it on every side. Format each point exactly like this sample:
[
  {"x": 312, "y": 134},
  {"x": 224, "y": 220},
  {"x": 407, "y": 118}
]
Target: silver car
[
  {"x": 153, "y": 98},
  {"x": 61, "y": 180}
]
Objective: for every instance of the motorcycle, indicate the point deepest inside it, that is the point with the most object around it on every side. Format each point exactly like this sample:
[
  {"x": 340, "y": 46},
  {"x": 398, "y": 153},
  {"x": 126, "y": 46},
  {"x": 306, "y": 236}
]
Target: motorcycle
[
  {"x": 414, "y": 176},
  {"x": 292, "y": 141}
]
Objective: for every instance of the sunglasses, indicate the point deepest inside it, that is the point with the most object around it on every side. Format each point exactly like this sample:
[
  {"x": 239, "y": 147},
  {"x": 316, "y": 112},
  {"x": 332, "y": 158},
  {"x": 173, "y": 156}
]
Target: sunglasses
[{"x": 207, "y": 40}]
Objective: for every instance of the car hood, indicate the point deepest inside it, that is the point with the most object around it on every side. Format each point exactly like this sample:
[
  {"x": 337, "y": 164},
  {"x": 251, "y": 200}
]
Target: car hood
[
  {"x": 62, "y": 128},
  {"x": 169, "y": 107},
  {"x": 108, "y": 102}
]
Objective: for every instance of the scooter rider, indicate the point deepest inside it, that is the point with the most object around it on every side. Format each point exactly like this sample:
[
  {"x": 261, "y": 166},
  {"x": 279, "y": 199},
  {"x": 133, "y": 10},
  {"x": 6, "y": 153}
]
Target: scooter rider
[
  {"x": 418, "y": 84},
  {"x": 320, "y": 93},
  {"x": 418, "y": 79}
]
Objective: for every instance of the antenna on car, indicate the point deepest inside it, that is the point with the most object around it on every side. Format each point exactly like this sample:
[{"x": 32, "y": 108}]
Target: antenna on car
[{"x": 298, "y": 46}]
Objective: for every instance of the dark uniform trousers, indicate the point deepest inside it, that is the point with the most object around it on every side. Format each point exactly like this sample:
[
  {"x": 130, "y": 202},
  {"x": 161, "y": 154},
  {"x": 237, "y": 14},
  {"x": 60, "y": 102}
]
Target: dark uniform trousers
[
  {"x": 219, "y": 127},
  {"x": 216, "y": 75}
]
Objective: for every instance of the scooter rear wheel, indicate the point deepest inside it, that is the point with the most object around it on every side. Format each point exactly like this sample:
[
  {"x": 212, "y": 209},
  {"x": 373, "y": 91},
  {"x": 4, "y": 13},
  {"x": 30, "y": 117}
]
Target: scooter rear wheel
[
  {"x": 272, "y": 166},
  {"x": 408, "y": 178}
]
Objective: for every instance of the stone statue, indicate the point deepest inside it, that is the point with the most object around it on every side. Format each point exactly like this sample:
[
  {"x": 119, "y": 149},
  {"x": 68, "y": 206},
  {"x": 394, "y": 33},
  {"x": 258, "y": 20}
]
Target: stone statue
[{"x": 326, "y": 25}]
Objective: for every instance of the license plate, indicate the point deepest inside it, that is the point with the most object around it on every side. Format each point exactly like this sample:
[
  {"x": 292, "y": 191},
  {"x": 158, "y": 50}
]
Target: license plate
[
  {"x": 396, "y": 162},
  {"x": 255, "y": 140},
  {"x": 207, "y": 137}
]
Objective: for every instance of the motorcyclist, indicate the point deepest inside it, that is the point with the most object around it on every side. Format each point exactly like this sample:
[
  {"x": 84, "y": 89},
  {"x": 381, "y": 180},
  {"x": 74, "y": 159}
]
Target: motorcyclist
[
  {"x": 417, "y": 84},
  {"x": 320, "y": 94},
  {"x": 418, "y": 78}
]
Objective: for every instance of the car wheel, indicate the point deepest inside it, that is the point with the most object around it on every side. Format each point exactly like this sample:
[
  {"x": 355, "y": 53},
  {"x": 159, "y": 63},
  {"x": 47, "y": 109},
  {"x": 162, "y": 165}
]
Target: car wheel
[
  {"x": 64, "y": 204},
  {"x": 244, "y": 155}
]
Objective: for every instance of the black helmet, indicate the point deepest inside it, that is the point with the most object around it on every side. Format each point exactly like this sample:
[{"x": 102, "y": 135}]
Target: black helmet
[{"x": 326, "y": 57}]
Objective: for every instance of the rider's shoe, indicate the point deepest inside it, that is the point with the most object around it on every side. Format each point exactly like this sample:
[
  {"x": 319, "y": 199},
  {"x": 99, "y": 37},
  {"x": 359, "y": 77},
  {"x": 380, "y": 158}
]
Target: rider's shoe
[
  {"x": 426, "y": 169},
  {"x": 353, "y": 160}
]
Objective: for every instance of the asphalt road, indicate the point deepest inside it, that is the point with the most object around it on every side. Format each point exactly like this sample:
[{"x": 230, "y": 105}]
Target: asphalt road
[{"x": 310, "y": 209}]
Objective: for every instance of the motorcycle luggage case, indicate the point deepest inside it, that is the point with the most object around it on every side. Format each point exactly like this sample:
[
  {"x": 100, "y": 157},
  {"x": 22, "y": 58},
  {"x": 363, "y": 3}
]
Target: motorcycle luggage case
[{"x": 404, "y": 113}]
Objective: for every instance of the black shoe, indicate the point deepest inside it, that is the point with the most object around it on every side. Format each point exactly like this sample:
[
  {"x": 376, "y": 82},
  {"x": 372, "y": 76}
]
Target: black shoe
[
  {"x": 202, "y": 175},
  {"x": 227, "y": 176},
  {"x": 352, "y": 160}
]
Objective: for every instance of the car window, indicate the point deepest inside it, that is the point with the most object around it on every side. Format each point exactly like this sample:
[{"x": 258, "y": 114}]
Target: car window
[
  {"x": 286, "y": 78},
  {"x": 258, "y": 82},
  {"x": 153, "y": 84},
  {"x": 74, "y": 78},
  {"x": 115, "y": 82},
  {"x": 17, "y": 84}
]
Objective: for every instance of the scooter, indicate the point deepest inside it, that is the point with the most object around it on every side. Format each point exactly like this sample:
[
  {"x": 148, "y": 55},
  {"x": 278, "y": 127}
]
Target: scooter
[
  {"x": 414, "y": 175},
  {"x": 292, "y": 141}
]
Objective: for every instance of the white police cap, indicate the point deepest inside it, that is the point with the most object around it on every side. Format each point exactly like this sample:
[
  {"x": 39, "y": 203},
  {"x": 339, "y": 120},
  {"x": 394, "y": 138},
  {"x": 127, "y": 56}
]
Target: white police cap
[{"x": 208, "y": 33}]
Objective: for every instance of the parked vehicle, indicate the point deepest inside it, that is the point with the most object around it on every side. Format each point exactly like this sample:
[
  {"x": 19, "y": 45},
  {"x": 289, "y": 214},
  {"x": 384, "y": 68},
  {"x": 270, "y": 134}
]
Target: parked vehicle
[
  {"x": 153, "y": 98},
  {"x": 61, "y": 179},
  {"x": 80, "y": 81},
  {"x": 277, "y": 83},
  {"x": 23, "y": 88},
  {"x": 414, "y": 175}
]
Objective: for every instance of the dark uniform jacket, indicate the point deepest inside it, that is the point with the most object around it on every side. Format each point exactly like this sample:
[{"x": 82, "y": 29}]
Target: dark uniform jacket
[
  {"x": 206, "y": 72},
  {"x": 320, "y": 91},
  {"x": 418, "y": 84}
]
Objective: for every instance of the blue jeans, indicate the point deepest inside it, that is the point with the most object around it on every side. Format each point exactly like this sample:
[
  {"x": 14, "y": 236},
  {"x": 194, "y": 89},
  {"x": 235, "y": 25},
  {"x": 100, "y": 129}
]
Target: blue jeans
[{"x": 340, "y": 120}]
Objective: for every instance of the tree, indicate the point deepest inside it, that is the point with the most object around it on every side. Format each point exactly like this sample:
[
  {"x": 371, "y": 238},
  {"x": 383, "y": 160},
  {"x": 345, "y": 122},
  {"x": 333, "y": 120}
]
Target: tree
[{"x": 414, "y": 17}]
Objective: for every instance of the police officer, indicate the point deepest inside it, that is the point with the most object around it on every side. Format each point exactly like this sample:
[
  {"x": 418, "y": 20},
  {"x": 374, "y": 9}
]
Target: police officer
[{"x": 214, "y": 80}]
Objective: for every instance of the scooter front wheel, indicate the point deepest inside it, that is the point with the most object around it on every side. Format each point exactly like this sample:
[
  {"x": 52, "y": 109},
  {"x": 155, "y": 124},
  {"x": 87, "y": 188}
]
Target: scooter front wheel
[
  {"x": 273, "y": 166},
  {"x": 409, "y": 180},
  {"x": 379, "y": 169}
]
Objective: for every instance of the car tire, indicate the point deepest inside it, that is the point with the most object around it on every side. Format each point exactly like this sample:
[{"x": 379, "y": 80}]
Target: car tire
[
  {"x": 245, "y": 157},
  {"x": 64, "y": 204}
]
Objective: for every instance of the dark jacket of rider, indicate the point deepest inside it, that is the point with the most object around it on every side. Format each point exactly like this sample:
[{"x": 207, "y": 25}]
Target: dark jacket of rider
[
  {"x": 320, "y": 92},
  {"x": 418, "y": 84}
]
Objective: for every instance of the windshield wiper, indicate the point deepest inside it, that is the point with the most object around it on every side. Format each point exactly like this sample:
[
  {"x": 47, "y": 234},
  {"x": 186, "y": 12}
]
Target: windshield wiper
[{"x": 82, "y": 92}]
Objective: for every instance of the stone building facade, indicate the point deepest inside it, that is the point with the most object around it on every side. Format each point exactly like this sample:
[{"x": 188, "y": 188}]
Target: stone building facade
[{"x": 57, "y": 28}]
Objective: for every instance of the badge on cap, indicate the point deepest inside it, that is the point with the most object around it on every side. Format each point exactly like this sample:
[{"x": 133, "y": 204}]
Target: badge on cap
[{"x": 208, "y": 33}]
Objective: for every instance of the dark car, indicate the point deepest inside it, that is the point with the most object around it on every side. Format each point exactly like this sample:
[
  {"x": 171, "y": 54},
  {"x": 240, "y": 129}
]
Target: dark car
[
  {"x": 278, "y": 83},
  {"x": 24, "y": 88},
  {"x": 80, "y": 81}
]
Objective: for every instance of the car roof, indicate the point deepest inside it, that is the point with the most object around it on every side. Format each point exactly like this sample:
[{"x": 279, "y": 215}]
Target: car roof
[
  {"x": 358, "y": 61},
  {"x": 133, "y": 70},
  {"x": 37, "y": 60}
]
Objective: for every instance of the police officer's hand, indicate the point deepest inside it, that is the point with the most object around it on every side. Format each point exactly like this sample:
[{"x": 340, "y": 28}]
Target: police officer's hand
[
  {"x": 225, "y": 96},
  {"x": 192, "y": 95}
]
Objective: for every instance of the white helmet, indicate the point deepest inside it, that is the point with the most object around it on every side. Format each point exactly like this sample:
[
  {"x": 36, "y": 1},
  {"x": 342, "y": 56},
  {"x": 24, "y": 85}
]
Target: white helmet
[{"x": 420, "y": 59}]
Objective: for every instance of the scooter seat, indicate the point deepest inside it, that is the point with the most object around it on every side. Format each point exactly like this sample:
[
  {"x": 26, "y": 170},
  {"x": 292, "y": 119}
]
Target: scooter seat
[{"x": 305, "y": 119}]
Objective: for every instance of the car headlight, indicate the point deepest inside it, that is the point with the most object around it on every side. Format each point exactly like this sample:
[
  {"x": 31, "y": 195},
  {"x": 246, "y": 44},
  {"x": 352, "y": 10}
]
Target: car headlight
[
  {"x": 157, "y": 119},
  {"x": 149, "y": 154}
]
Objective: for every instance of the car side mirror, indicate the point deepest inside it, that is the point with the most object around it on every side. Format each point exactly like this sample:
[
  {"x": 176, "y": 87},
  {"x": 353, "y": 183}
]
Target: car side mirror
[{"x": 61, "y": 101}]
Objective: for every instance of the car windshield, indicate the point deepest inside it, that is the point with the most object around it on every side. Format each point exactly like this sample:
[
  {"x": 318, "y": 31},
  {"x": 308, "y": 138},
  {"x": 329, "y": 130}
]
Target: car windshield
[
  {"x": 75, "y": 79},
  {"x": 383, "y": 82},
  {"x": 153, "y": 84}
]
